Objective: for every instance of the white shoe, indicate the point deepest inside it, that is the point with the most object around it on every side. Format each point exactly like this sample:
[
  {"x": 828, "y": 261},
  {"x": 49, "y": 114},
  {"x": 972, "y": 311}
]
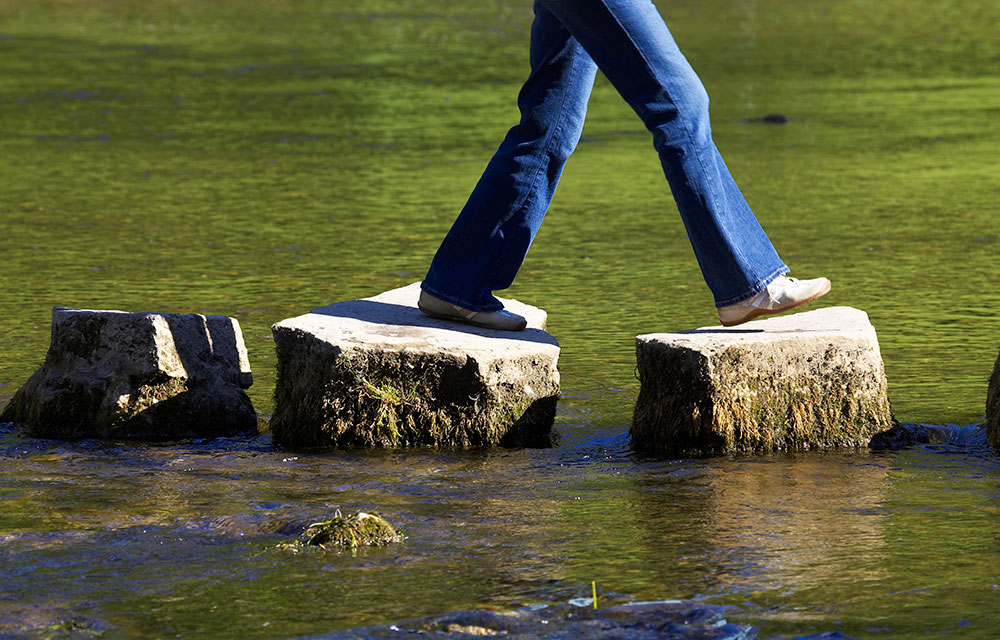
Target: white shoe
[
  {"x": 502, "y": 320},
  {"x": 782, "y": 294}
]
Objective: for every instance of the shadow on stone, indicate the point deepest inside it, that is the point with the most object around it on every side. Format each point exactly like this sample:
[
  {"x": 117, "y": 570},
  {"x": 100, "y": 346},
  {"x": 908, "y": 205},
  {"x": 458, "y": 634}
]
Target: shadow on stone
[
  {"x": 993, "y": 407},
  {"x": 525, "y": 433},
  {"x": 405, "y": 317}
]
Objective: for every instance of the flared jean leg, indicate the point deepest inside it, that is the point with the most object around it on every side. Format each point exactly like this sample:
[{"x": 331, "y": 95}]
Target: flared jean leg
[
  {"x": 487, "y": 243},
  {"x": 633, "y": 47}
]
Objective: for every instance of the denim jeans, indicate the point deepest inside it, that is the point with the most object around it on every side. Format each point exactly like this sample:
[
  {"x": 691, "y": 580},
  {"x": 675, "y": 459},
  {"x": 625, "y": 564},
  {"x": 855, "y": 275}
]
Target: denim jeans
[{"x": 629, "y": 42}]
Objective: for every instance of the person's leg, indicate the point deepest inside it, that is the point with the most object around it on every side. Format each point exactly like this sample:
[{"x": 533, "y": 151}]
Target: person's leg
[
  {"x": 487, "y": 243},
  {"x": 633, "y": 47}
]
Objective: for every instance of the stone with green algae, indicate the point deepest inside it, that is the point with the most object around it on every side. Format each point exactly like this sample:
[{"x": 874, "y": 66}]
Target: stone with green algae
[
  {"x": 803, "y": 381},
  {"x": 347, "y": 532},
  {"x": 377, "y": 372}
]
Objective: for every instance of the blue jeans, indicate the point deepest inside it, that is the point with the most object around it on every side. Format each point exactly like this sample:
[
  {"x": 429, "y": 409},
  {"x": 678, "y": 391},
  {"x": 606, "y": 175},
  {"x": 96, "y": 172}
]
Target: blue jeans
[{"x": 629, "y": 42}]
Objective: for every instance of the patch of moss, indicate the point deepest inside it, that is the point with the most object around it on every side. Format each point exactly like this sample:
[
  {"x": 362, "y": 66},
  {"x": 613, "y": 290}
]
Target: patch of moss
[
  {"x": 77, "y": 627},
  {"x": 346, "y": 533}
]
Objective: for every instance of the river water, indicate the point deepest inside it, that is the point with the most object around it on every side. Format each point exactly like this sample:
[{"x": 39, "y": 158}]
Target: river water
[{"x": 262, "y": 158}]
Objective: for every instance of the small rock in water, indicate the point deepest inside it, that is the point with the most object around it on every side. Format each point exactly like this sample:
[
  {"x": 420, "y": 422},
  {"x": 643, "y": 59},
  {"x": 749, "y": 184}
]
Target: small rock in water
[
  {"x": 904, "y": 435},
  {"x": 148, "y": 376},
  {"x": 802, "y": 381},
  {"x": 347, "y": 532},
  {"x": 49, "y": 621},
  {"x": 378, "y": 372}
]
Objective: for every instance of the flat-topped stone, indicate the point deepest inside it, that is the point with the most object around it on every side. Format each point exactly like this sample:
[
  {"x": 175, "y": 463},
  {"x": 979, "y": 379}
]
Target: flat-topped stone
[
  {"x": 993, "y": 407},
  {"x": 149, "y": 376},
  {"x": 800, "y": 381},
  {"x": 378, "y": 372}
]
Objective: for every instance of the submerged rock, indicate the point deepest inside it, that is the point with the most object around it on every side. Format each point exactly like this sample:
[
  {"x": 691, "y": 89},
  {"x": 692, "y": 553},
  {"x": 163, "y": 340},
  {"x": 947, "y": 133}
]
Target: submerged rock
[
  {"x": 378, "y": 372},
  {"x": 904, "y": 435},
  {"x": 801, "y": 381},
  {"x": 347, "y": 532},
  {"x": 48, "y": 622},
  {"x": 147, "y": 376},
  {"x": 993, "y": 407},
  {"x": 640, "y": 621}
]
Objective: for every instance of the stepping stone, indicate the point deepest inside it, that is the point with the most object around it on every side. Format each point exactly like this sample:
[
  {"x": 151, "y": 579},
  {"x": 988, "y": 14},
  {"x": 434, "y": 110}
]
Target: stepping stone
[
  {"x": 993, "y": 408},
  {"x": 378, "y": 372},
  {"x": 802, "y": 381},
  {"x": 147, "y": 376}
]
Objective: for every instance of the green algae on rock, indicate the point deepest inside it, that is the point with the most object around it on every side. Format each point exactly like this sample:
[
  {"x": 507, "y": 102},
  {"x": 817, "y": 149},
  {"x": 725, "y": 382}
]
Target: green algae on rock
[
  {"x": 347, "y": 532},
  {"x": 147, "y": 376},
  {"x": 377, "y": 372},
  {"x": 804, "y": 381}
]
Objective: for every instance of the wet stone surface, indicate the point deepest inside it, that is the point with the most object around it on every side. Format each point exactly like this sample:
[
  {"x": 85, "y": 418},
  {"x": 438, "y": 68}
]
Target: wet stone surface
[
  {"x": 901, "y": 436},
  {"x": 639, "y": 621}
]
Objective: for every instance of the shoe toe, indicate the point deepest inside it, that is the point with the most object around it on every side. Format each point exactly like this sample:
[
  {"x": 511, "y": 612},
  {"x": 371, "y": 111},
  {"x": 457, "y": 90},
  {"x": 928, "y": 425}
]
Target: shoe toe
[{"x": 504, "y": 320}]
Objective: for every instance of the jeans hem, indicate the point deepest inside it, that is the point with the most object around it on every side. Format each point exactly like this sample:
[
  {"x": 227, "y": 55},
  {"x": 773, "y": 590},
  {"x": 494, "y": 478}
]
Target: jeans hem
[
  {"x": 459, "y": 302},
  {"x": 755, "y": 289}
]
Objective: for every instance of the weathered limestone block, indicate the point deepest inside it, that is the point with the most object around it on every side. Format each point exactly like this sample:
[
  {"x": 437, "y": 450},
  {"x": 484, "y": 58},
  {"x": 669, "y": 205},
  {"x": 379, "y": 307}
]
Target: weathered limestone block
[
  {"x": 993, "y": 407},
  {"x": 146, "y": 376},
  {"x": 800, "y": 381},
  {"x": 378, "y": 372}
]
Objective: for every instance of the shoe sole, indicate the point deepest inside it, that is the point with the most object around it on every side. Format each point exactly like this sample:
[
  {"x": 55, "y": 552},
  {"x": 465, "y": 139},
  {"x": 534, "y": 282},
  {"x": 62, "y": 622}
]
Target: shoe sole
[
  {"x": 457, "y": 318},
  {"x": 756, "y": 313}
]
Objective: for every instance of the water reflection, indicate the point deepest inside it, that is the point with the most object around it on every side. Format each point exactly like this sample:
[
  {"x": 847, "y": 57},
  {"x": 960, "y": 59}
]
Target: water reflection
[{"x": 798, "y": 524}]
